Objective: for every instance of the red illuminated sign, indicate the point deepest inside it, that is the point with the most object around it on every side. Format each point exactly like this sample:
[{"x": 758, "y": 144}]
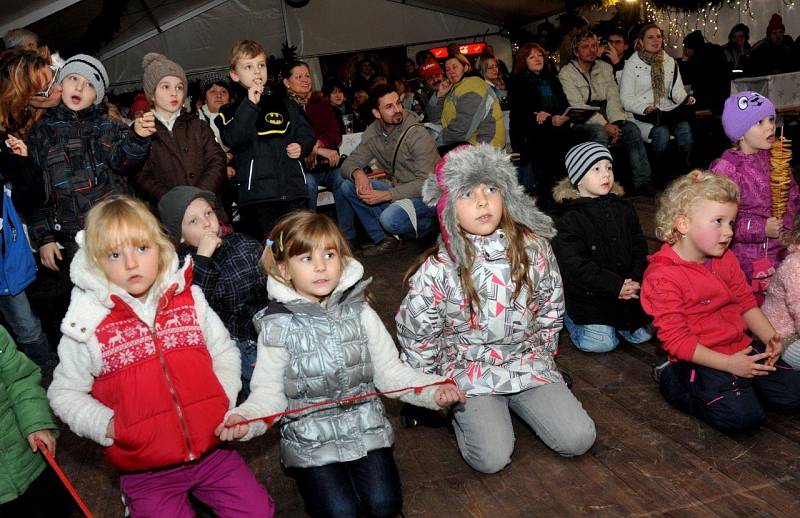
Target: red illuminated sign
[{"x": 469, "y": 49}]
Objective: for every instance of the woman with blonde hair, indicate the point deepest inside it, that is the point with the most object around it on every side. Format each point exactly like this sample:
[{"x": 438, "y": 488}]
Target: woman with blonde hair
[{"x": 652, "y": 92}]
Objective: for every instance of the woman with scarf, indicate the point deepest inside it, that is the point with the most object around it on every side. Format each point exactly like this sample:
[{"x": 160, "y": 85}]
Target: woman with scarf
[
  {"x": 323, "y": 162},
  {"x": 652, "y": 92},
  {"x": 539, "y": 131}
]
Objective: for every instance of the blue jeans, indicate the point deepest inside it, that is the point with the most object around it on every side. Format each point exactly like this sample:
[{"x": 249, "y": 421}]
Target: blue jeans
[
  {"x": 634, "y": 147},
  {"x": 598, "y": 338},
  {"x": 659, "y": 136},
  {"x": 485, "y": 435},
  {"x": 388, "y": 217},
  {"x": 368, "y": 486},
  {"x": 27, "y": 329},
  {"x": 332, "y": 180},
  {"x": 247, "y": 350}
]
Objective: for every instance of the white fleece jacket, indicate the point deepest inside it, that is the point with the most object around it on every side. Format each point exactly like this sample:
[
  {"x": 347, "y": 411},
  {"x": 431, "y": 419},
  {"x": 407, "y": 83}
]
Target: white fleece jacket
[
  {"x": 80, "y": 360},
  {"x": 267, "y": 395}
]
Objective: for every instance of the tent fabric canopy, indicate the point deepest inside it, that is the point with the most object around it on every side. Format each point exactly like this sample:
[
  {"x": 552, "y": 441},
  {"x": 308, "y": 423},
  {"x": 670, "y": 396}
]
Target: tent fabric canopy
[{"x": 199, "y": 33}]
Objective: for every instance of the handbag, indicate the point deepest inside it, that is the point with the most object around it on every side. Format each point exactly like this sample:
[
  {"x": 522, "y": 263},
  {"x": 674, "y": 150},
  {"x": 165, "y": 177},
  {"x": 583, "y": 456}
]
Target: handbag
[{"x": 19, "y": 267}]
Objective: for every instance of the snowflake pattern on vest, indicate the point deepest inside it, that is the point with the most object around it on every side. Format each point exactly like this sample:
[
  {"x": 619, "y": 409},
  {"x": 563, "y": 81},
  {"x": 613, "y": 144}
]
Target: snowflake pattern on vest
[{"x": 125, "y": 340}]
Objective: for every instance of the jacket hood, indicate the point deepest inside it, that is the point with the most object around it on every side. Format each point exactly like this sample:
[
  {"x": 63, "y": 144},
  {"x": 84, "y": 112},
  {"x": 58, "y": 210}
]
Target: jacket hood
[
  {"x": 91, "y": 281},
  {"x": 352, "y": 273},
  {"x": 466, "y": 167},
  {"x": 564, "y": 191},
  {"x": 92, "y": 290}
]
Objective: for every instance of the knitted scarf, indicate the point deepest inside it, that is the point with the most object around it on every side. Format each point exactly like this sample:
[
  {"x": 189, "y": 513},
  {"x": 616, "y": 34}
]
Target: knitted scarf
[
  {"x": 656, "y": 62},
  {"x": 299, "y": 100}
]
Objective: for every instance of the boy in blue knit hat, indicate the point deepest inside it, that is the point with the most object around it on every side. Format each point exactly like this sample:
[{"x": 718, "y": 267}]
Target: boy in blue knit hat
[{"x": 601, "y": 252}]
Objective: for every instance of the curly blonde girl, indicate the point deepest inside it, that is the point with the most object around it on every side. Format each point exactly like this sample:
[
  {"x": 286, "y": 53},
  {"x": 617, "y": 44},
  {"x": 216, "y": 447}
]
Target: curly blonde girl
[{"x": 683, "y": 192}]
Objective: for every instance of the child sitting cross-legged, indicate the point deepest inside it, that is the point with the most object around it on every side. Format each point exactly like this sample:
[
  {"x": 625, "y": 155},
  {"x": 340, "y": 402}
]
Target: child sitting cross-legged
[
  {"x": 601, "y": 252},
  {"x": 703, "y": 309}
]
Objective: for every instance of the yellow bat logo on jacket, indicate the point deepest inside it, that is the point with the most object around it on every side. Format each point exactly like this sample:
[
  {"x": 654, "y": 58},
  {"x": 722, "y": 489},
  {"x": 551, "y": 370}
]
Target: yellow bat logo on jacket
[{"x": 274, "y": 118}]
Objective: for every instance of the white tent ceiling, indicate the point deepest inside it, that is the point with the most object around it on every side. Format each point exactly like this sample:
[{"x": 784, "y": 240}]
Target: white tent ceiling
[{"x": 198, "y": 33}]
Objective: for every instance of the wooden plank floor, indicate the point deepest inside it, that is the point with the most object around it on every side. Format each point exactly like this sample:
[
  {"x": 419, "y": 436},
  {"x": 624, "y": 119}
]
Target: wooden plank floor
[{"x": 649, "y": 460}]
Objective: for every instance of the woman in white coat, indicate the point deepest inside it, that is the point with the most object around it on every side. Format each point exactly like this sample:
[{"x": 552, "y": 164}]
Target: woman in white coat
[{"x": 652, "y": 92}]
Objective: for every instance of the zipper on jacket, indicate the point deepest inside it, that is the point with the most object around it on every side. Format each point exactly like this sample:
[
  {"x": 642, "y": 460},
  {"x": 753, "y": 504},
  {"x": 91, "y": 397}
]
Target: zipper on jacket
[
  {"x": 302, "y": 171},
  {"x": 250, "y": 176},
  {"x": 178, "y": 409}
]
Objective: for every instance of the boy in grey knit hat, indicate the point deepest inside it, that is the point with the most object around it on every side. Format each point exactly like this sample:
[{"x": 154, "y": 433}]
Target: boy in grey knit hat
[
  {"x": 601, "y": 252},
  {"x": 85, "y": 156}
]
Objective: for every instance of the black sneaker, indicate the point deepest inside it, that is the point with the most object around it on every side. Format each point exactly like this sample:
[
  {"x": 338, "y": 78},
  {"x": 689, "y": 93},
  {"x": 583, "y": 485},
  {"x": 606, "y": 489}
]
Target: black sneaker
[
  {"x": 389, "y": 244},
  {"x": 412, "y": 416}
]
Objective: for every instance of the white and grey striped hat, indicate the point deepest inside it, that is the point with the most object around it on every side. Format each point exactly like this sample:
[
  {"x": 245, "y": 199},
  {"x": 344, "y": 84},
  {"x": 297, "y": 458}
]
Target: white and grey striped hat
[{"x": 582, "y": 157}]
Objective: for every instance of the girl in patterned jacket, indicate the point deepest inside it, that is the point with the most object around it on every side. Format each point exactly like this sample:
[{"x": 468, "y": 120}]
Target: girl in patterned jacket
[
  {"x": 321, "y": 341},
  {"x": 749, "y": 121},
  {"x": 147, "y": 370},
  {"x": 485, "y": 307}
]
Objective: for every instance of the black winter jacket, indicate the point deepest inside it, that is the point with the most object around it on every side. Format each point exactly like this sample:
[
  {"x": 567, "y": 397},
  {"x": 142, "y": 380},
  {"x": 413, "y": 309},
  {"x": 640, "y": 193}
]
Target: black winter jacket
[
  {"x": 258, "y": 136},
  {"x": 600, "y": 244},
  {"x": 85, "y": 157}
]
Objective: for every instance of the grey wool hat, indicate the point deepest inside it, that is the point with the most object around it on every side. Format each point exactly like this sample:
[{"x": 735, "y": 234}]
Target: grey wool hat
[
  {"x": 462, "y": 169},
  {"x": 90, "y": 69},
  {"x": 157, "y": 66},
  {"x": 173, "y": 205}
]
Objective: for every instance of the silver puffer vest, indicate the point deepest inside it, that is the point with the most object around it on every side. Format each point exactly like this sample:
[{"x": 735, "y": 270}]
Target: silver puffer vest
[{"x": 328, "y": 359}]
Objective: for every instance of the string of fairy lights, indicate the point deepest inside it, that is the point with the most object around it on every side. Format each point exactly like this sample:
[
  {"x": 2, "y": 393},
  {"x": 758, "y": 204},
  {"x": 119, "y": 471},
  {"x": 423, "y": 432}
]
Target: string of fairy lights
[{"x": 676, "y": 23}]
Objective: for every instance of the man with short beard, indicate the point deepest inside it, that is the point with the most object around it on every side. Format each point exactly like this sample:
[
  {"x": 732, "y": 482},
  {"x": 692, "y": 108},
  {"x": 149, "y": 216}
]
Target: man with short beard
[{"x": 404, "y": 149}]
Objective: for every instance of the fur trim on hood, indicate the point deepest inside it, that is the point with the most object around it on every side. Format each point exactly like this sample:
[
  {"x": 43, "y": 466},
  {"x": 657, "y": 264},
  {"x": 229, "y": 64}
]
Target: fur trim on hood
[
  {"x": 462, "y": 169},
  {"x": 564, "y": 191},
  {"x": 92, "y": 288}
]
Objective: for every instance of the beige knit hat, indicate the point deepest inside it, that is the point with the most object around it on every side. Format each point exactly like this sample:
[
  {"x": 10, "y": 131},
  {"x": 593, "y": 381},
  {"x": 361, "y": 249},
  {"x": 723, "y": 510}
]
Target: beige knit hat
[{"x": 157, "y": 66}]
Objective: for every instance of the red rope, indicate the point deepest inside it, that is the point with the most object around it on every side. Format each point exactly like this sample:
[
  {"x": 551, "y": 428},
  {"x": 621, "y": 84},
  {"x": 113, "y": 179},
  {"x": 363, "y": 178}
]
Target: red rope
[
  {"x": 52, "y": 461},
  {"x": 270, "y": 419}
]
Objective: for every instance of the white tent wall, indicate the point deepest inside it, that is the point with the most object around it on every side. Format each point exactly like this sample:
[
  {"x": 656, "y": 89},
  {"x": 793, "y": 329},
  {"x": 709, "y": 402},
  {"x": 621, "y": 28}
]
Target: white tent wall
[
  {"x": 201, "y": 43},
  {"x": 333, "y": 26}
]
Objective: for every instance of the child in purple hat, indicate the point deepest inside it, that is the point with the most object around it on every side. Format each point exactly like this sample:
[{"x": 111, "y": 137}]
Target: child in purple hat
[{"x": 749, "y": 121}]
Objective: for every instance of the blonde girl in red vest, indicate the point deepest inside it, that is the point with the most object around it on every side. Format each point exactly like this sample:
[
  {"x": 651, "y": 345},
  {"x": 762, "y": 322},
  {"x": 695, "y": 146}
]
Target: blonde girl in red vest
[{"x": 148, "y": 370}]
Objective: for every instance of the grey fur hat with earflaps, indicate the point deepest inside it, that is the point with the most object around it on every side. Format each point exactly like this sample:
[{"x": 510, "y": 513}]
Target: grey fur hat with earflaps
[{"x": 461, "y": 170}]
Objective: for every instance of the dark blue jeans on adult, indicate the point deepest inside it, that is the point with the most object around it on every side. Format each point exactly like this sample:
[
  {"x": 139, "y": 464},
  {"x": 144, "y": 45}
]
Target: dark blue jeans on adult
[
  {"x": 633, "y": 143},
  {"x": 659, "y": 136},
  {"x": 369, "y": 486},
  {"x": 27, "y": 329},
  {"x": 727, "y": 402},
  {"x": 389, "y": 217},
  {"x": 332, "y": 180}
]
